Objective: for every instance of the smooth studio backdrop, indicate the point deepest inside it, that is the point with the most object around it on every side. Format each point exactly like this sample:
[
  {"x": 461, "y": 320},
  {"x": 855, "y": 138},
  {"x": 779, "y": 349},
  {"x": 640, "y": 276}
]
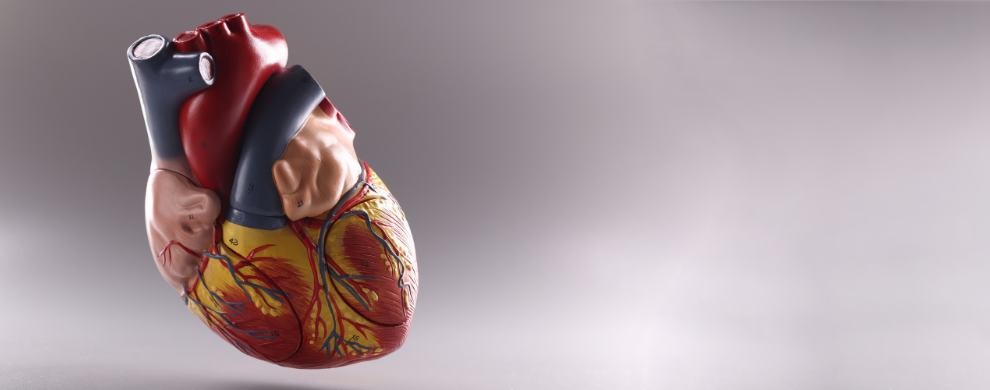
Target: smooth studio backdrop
[{"x": 604, "y": 195}]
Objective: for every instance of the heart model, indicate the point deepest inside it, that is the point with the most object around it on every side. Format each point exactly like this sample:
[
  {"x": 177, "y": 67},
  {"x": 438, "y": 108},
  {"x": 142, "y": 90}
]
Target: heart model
[{"x": 258, "y": 211}]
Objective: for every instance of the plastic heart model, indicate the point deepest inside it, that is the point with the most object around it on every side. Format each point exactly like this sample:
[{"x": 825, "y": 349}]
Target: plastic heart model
[{"x": 258, "y": 211}]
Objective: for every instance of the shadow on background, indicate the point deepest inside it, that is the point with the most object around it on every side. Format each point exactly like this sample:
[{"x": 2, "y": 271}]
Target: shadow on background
[
  {"x": 249, "y": 385},
  {"x": 127, "y": 377}
]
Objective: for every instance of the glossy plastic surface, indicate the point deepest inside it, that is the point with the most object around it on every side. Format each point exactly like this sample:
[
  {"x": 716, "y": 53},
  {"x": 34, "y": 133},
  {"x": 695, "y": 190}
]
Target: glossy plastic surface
[
  {"x": 211, "y": 121},
  {"x": 279, "y": 111},
  {"x": 331, "y": 282},
  {"x": 164, "y": 80}
]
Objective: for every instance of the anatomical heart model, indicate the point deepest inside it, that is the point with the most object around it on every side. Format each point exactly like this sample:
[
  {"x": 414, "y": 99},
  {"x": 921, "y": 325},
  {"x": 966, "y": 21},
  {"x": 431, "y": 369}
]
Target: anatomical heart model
[{"x": 258, "y": 210}]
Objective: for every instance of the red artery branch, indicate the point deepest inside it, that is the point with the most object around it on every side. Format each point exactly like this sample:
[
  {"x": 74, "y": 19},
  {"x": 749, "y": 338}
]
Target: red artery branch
[
  {"x": 166, "y": 255},
  {"x": 314, "y": 303}
]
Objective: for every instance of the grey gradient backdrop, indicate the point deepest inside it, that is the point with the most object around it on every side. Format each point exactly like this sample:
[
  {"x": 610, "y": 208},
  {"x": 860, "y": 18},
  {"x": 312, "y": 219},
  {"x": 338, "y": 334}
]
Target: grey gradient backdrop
[{"x": 603, "y": 194}]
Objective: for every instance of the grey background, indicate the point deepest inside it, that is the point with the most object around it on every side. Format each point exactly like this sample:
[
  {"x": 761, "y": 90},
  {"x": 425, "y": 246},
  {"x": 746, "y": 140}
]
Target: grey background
[{"x": 603, "y": 194}]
